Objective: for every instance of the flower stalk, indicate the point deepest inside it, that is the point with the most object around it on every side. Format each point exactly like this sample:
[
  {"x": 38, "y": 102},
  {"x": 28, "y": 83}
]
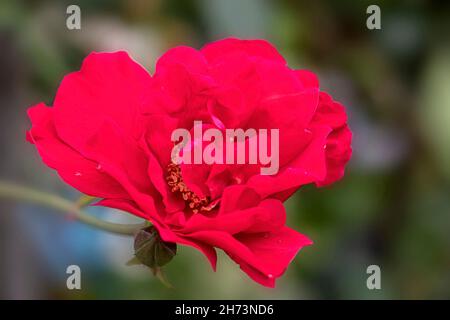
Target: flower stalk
[{"x": 65, "y": 207}]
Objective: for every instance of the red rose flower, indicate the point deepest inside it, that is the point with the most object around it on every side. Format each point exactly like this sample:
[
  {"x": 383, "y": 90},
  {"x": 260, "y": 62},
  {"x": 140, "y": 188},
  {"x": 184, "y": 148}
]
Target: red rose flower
[{"x": 108, "y": 135}]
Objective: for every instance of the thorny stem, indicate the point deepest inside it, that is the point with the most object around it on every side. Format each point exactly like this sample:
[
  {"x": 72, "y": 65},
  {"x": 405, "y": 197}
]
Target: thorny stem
[{"x": 65, "y": 207}]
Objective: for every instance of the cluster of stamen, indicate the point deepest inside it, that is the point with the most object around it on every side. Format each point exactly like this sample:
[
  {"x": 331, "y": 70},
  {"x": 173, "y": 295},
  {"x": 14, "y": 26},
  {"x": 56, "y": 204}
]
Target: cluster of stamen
[{"x": 176, "y": 184}]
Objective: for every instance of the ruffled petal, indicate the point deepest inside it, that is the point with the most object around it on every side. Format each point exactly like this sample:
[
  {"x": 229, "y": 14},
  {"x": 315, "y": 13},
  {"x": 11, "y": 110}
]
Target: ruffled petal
[
  {"x": 109, "y": 86},
  {"x": 241, "y": 211},
  {"x": 215, "y": 51},
  {"x": 338, "y": 149},
  {"x": 263, "y": 256},
  {"x": 309, "y": 166},
  {"x": 79, "y": 172},
  {"x": 123, "y": 159}
]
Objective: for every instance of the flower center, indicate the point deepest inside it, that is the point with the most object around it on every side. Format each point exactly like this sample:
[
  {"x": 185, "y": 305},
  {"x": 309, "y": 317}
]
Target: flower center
[{"x": 176, "y": 184}]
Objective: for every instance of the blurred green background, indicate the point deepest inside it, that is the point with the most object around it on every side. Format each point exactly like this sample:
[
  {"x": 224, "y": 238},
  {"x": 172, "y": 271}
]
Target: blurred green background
[{"x": 392, "y": 208}]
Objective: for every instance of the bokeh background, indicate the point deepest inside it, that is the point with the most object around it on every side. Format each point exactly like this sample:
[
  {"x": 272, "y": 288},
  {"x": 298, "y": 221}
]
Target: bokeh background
[{"x": 392, "y": 209}]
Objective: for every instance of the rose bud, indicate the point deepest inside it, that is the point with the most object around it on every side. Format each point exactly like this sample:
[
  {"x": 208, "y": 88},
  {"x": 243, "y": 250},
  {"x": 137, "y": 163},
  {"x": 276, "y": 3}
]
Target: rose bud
[{"x": 151, "y": 250}]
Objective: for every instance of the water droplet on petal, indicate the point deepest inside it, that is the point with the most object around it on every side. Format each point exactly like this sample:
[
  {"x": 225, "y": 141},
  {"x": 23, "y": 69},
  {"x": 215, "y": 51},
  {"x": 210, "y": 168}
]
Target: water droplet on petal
[
  {"x": 308, "y": 131},
  {"x": 78, "y": 174},
  {"x": 270, "y": 276},
  {"x": 99, "y": 167}
]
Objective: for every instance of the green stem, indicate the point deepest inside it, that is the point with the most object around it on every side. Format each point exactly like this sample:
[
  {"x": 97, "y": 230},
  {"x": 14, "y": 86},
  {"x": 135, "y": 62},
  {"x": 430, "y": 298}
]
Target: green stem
[{"x": 66, "y": 207}]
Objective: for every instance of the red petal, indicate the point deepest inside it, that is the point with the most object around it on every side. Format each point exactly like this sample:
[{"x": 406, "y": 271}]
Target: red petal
[
  {"x": 108, "y": 86},
  {"x": 263, "y": 256},
  {"x": 77, "y": 171},
  {"x": 214, "y": 51}
]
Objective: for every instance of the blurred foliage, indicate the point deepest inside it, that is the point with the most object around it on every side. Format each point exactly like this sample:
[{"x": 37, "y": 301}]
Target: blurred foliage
[{"x": 392, "y": 208}]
